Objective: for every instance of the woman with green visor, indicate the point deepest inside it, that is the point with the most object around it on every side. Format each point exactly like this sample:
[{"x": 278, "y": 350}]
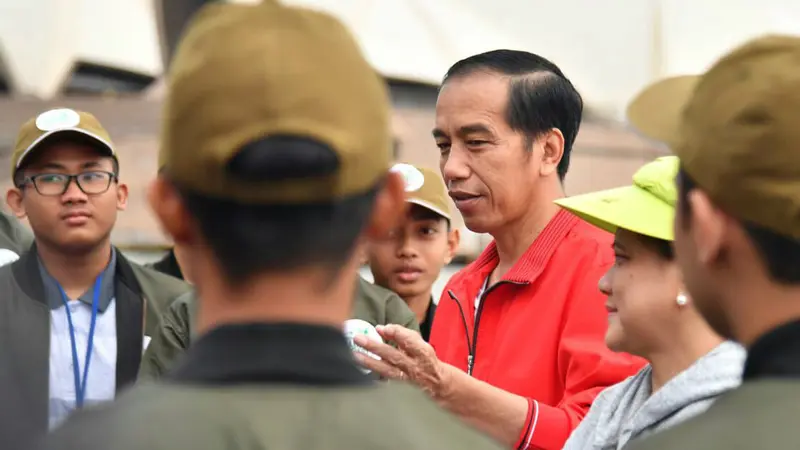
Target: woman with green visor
[{"x": 650, "y": 315}]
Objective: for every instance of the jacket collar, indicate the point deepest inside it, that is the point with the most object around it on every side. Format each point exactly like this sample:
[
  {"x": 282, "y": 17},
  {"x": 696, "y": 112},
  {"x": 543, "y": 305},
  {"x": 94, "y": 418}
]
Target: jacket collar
[
  {"x": 528, "y": 268},
  {"x": 27, "y": 273},
  {"x": 270, "y": 353},
  {"x": 775, "y": 354}
]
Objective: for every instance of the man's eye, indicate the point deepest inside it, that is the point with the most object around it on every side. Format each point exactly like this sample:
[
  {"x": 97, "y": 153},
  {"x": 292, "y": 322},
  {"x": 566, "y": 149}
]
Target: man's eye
[
  {"x": 54, "y": 178},
  {"x": 619, "y": 259}
]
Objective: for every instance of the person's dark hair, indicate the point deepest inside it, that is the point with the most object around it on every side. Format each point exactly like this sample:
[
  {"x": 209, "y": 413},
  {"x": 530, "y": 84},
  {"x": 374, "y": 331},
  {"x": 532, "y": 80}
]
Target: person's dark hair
[
  {"x": 248, "y": 240},
  {"x": 780, "y": 254},
  {"x": 418, "y": 212},
  {"x": 541, "y": 97},
  {"x": 662, "y": 247}
]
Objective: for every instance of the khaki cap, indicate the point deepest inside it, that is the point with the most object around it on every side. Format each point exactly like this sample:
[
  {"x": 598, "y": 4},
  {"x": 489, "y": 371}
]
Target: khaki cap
[
  {"x": 56, "y": 122},
  {"x": 244, "y": 72},
  {"x": 736, "y": 129},
  {"x": 425, "y": 187}
]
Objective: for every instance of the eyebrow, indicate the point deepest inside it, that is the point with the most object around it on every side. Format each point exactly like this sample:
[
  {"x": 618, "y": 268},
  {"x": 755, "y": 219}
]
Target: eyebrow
[
  {"x": 58, "y": 166},
  {"x": 464, "y": 130}
]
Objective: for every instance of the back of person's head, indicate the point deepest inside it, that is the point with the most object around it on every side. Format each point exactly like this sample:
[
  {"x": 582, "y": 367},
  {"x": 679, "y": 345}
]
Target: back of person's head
[
  {"x": 738, "y": 222},
  {"x": 541, "y": 97},
  {"x": 276, "y": 143}
]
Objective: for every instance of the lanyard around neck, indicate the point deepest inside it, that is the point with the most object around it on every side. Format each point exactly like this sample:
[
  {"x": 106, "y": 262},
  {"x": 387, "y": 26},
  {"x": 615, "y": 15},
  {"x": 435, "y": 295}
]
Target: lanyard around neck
[{"x": 80, "y": 382}]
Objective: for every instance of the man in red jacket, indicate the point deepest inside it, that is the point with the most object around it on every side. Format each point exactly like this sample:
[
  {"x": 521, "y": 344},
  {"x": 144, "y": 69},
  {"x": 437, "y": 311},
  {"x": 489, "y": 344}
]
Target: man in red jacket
[{"x": 519, "y": 333}]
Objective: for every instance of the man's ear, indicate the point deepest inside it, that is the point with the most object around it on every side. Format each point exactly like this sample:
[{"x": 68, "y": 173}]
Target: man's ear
[
  {"x": 15, "y": 204},
  {"x": 122, "y": 196},
  {"x": 706, "y": 226},
  {"x": 389, "y": 209},
  {"x": 453, "y": 239},
  {"x": 169, "y": 209},
  {"x": 552, "y": 144}
]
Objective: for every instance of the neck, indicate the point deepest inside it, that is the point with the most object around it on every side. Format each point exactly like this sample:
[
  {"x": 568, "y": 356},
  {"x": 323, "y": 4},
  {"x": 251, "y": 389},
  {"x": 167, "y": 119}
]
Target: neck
[
  {"x": 419, "y": 305},
  {"x": 514, "y": 239},
  {"x": 302, "y": 297},
  {"x": 777, "y": 305},
  {"x": 75, "y": 272},
  {"x": 692, "y": 341}
]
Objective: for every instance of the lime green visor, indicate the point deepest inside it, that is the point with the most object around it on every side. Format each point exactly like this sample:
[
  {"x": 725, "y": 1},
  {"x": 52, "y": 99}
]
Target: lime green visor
[{"x": 647, "y": 207}]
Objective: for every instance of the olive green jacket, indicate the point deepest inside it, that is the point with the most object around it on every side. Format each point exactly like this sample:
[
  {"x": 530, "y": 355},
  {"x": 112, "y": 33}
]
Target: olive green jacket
[
  {"x": 761, "y": 414},
  {"x": 141, "y": 297},
  {"x": 372, "y": 303},
  {"x": 14, "y": 235}
]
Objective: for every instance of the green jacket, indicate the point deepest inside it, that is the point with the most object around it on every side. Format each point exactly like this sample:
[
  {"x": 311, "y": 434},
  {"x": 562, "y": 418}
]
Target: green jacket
[
  {"x": 760, "y": 414},
  {"x": 268, "y": 387},
  {"x": 372, "y": 303},
  {"x": 141, "y": 296},
  {"x": 14, "y": 235}
]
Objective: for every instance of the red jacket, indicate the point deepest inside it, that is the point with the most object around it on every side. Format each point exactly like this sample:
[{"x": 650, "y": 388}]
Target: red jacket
[{"x": 540, "y": 330}]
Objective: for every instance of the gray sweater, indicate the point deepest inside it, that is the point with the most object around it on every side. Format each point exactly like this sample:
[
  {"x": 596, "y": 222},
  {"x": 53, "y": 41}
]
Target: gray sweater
[{"x": 627, "y": 410}]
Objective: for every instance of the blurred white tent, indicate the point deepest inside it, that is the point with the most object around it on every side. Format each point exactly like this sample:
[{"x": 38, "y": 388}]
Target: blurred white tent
[{"x": 610, "y": 49}]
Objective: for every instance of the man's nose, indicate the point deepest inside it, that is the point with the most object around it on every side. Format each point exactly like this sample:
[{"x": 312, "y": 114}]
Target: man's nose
[
  {"x": 454, "y": 165},
  {"x": 73, "y": 194},
  {"x": 605, "y": 282}
]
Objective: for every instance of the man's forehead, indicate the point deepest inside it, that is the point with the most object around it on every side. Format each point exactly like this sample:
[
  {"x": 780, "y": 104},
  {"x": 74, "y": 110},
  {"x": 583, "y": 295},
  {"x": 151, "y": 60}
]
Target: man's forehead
[{"x": 67, "y": 153}]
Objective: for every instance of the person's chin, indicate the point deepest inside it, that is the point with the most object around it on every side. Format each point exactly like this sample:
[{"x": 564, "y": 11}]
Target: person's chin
[{"x": 615, "y": 338}]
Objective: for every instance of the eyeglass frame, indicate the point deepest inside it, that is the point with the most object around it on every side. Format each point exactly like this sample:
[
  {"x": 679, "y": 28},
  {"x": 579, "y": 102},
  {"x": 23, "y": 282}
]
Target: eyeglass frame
[{"x": 112, "y": 178}]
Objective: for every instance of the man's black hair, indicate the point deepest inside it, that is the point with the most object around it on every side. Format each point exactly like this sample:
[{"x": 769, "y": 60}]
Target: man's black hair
[
  {"x": 419, "y": 212},
  {"x": 541, "y": 97},
  {"x": 780, "y": 254},
  {"x": 248, "y": 240}
]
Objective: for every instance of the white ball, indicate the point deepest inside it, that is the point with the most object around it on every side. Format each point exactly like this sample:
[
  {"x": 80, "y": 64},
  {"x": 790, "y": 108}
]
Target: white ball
[
  {"x": 358, "y": 327},
  {"x": 7, "y": 256}
]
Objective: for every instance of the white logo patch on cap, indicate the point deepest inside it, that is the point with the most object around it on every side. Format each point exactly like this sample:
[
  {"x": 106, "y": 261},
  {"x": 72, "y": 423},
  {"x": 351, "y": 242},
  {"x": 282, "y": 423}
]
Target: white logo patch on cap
[
  {"x": 413, "y": 178},
  {"x": 57, "y": 119}
]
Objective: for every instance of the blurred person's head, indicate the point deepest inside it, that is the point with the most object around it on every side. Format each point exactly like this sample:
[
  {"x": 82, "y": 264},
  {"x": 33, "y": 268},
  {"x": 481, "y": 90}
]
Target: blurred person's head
[
  {"x": 271, "y": 182},
  {"x": 66, "y": 181},
  {"x": 505, "y": 125},
  {"x": 737, "y": 229},
  {"x": 409, "y": 259},
  {"x": 649, "y": 311}
]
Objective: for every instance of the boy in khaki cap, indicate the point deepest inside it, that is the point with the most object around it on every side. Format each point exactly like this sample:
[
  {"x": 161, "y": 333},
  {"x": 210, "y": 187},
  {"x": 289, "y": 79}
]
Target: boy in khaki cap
[
  {"x": 737, "y": 231},
  {"x": 275, "y": 155},
  {"x": 409, "y": 260}
]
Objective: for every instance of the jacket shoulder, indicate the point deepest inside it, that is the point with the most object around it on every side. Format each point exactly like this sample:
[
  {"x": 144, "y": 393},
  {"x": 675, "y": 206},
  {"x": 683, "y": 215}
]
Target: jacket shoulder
[{"x": 380, "y": 306}]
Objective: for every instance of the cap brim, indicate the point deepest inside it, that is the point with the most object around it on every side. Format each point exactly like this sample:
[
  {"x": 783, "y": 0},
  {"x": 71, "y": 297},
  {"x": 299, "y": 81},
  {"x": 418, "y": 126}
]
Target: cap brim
[
  {"x": 629, "y": 208},
  {"x": 656, "y": 111},
  {"x": 429, "y": 206},
  {"x": 102, "y": 143}
]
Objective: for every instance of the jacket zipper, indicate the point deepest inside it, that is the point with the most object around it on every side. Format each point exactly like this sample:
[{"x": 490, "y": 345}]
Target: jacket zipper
[{"x": 472, "y": 344}]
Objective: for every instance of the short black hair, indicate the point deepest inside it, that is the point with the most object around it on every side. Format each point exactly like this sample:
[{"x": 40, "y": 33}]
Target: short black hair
[
  {"x": 419, "y": 212},
  {"x": 780, "y": 254},
  {"x": 664, "y": 248},
  {"x": 536, "y": 104},
  {"x": 251, "y": 239}
]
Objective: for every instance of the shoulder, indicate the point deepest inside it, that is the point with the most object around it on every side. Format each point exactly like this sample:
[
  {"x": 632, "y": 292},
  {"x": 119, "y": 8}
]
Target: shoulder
[
  {"x": 121, "y": 425},
  {"x": 589, "y": 243},
  {"x": 158, "y": 284},
  {"x": 370, "y": 292},
  {"x": 414, "y": 417}
]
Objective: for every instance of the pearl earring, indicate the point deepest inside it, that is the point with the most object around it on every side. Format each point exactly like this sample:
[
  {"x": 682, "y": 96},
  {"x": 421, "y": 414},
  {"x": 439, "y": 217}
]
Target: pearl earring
[{"x": 682, "y": 299}]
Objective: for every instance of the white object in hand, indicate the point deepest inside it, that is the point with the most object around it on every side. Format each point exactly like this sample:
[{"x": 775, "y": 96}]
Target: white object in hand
[{"x": 358, "y": 327}]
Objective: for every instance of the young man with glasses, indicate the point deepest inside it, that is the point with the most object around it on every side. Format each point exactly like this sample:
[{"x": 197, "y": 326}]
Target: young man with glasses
[{"x": 76, "y": 314}]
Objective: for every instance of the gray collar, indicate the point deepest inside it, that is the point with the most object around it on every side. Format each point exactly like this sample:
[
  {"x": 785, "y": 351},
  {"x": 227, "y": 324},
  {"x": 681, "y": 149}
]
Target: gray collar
[{"x": 52, "y": 291}]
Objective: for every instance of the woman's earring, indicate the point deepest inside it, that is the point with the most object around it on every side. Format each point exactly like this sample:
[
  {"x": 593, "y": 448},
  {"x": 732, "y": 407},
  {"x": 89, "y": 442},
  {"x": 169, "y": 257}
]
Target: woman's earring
[{"x": 682, "y": 299}]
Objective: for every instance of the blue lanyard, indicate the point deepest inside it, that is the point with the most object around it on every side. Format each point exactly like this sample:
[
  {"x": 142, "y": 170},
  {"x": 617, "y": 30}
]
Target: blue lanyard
[{"x": 80, "y": 383}]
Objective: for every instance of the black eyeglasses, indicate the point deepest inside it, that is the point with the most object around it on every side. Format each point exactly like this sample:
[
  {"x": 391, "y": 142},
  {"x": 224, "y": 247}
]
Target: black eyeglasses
[{"x": 54, "y": 184}]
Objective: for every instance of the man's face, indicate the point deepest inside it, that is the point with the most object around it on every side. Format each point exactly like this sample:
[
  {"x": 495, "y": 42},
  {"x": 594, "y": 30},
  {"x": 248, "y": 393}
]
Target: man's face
[
  {"x": 691, "y": 228},
  {"x": 409, "y": 259},
  {"x": 489, "y": 169},
  {"x": 77, "y": 219}
]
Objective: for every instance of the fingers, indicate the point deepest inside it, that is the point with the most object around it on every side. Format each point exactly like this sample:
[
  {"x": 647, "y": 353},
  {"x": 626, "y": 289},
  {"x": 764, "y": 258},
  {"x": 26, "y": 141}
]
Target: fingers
[
  {"x": 407, "y": 340},
  {"x": 387, "y": 353},
  {"x": 380, "y": 367}
]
